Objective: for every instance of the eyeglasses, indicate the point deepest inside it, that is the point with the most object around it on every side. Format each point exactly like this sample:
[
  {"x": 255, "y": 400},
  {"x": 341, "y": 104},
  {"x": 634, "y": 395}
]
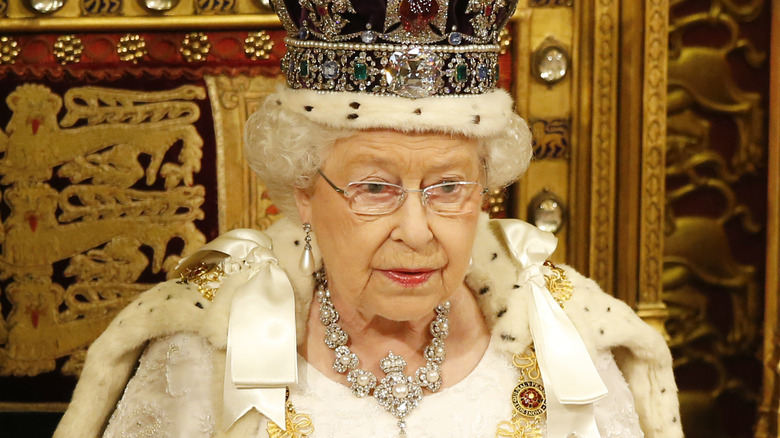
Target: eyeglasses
[{"x": 376, "y": 198}]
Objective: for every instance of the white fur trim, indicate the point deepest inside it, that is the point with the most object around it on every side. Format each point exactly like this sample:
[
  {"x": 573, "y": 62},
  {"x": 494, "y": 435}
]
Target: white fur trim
[
  {"x": 477, "y": 116},
  {"x": 604, "y": 323}
]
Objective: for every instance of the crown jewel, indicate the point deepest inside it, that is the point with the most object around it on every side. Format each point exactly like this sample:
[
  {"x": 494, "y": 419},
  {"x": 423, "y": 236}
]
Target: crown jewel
[{"x": 410, "y": 48}]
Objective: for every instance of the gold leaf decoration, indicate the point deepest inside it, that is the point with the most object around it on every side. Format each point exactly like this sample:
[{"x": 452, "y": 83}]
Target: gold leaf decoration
[
  {"x": 9, "y": 50},
  {"x": 258, "y": 45},
  {"x": 131, "y": 48},
  {"x": 504, "y": 41},
  {"x": 68, "y": 49},
  {"x": 195, "y": 47}
]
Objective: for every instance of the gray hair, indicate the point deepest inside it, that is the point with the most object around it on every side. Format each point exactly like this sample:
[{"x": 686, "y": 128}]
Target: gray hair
[{"x": 286, "y": 149}]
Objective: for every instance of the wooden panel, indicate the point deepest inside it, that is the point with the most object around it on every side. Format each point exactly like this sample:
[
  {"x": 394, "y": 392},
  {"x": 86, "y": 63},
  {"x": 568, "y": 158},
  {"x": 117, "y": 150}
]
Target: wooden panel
[{"x": 769, "y": 414}]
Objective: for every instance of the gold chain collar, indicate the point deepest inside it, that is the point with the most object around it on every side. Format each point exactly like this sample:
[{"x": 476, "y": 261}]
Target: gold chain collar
[{"x": 529, "y": 400}]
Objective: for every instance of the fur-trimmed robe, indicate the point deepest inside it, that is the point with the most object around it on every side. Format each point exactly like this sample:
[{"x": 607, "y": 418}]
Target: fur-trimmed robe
[{"x": 603, "y": 322}]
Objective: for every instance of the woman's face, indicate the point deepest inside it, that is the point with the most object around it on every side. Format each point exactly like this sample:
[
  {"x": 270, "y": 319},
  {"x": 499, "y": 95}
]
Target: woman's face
[{"x": 401, "y": 265}]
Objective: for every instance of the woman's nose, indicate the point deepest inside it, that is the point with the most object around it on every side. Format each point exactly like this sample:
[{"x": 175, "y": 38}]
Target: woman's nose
[{"x": 412, "y": 225}]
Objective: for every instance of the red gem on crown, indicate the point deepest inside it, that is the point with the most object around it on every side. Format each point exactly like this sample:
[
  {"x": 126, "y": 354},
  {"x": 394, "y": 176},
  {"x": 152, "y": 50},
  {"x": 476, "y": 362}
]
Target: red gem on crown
[{"x": 416, "y": 14}]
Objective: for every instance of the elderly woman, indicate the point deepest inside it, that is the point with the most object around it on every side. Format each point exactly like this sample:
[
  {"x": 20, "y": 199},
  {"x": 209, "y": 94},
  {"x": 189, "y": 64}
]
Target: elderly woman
[{"x": 387, "y": 303}]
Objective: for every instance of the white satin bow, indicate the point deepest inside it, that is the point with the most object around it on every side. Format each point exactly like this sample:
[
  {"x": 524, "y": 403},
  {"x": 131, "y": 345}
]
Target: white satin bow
[
  {"x": 571, "y": 381},
  {"x": 261, "y": 358}
]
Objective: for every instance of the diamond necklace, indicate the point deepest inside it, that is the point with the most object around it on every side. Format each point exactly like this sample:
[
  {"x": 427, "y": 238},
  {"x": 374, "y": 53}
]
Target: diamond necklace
[{"x": 398, "y": 393}]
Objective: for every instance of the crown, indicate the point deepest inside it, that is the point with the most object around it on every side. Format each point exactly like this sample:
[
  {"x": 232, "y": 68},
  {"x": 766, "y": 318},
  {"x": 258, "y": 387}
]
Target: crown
[
  {"x": 408, "y": 48},
  {"x": 392, "y": 363}
]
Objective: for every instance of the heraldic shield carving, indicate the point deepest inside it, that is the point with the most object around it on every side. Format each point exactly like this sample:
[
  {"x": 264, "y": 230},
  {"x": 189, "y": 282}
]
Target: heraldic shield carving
[{"x": 105, "y": 192}]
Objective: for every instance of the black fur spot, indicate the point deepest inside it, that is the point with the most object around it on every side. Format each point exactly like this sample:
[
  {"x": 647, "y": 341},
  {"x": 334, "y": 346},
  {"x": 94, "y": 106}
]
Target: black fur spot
[
  {"x": 278, "y": 102},
  {"x": 586, "y": 309},
  {"x": 169, "y": 297},
  {"x": 352, "y": 116},
  {"x": 508, "y": 338},
  {"x": 199, "y": 305},
  {"x": 674, "y": 419},
  {"x": 601, "y": 331},
  {"x": 418, "y": 111},
  {"x": 477, "y": 119},
  {"x": 308, "y": 108},
  {"x": 354, "y": 105},
  {"x": 140, "y": 302},
  {"x": 515, "y": 286},
  {"x": 663, "y": 390},
  {"x": 297, "y": 242},
  {"x": 151, "y": 310},
  {"x": 484, "y": 290},
  {"x": 494, "y": 256},
  {"x": 609, "y": 309},
  {"x": 501, "y": 312}
]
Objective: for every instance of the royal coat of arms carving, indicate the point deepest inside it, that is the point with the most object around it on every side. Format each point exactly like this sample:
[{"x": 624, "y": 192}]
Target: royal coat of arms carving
[{"x": 97, "y": 198}]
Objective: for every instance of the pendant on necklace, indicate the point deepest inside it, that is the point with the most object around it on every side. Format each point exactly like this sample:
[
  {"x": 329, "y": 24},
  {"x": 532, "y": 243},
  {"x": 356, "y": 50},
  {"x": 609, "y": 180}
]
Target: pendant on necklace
[
  {"x": 398, "y": 393},
  {"x": 402, "y": 427}
]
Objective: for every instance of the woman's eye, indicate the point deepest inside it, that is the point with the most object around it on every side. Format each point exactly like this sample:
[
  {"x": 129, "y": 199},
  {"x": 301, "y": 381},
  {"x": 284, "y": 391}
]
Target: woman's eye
[
  {"x": 448, "y": 187},
  {"x": 374, "y": 188}
]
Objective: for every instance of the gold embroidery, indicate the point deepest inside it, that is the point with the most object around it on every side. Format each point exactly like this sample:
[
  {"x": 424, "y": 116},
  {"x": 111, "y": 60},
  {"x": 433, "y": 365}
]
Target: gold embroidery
[
  {"x": 557, "y": 283},
  {"x": 208, "y": 279},
  {"x": 298, "y": 425},
  {"x": 95, "y": 185}
]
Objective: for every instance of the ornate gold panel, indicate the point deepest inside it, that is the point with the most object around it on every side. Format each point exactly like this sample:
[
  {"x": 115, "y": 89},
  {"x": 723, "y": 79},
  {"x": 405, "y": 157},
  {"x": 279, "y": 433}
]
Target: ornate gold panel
[
  {"x": 716, "y": 154},
  {"x": 243, "y": 201},
  {"x": 612, "y": 182},
  {"x": 650, "y": 306},
  {"x": 603, "y": 140}
]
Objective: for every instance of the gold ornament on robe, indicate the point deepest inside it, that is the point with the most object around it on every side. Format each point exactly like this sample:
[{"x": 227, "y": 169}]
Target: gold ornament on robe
[
  {"x": 528, "y": 415},
  {"x": 557, "y": 283},
  {"x": 529, "y": 400},
  {"x": 298, "y": 425}
]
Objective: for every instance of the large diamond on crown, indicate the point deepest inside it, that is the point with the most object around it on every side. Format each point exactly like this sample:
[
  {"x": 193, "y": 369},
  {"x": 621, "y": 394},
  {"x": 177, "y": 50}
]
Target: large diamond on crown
[{"x": 413, "y": 73}]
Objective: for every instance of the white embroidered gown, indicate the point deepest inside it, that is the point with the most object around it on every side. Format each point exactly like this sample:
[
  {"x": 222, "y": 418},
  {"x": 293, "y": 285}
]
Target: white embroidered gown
[{"x": 170, "y": 397}]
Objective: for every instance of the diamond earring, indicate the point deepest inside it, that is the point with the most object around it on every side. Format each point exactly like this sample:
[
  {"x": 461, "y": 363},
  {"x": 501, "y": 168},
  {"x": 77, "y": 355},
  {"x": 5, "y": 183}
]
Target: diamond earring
[{"x": 307, "y": 258}]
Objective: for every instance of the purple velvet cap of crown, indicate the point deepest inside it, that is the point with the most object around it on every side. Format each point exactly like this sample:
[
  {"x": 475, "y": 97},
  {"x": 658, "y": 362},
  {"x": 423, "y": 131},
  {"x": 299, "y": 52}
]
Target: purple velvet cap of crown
[{"x": 396, "y": 21}]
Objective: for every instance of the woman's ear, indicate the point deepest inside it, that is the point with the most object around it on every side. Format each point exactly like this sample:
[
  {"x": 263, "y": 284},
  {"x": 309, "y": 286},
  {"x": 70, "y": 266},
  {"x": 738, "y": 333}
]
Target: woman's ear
[{"x": 303, "y": 203}]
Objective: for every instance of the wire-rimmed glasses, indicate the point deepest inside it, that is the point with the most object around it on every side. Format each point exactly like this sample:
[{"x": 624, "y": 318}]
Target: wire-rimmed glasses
[{"x": 376, "y": 198}]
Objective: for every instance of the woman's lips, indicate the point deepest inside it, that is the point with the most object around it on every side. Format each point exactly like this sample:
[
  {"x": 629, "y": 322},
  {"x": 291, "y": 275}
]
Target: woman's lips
[{"x": 408, "y": 278}]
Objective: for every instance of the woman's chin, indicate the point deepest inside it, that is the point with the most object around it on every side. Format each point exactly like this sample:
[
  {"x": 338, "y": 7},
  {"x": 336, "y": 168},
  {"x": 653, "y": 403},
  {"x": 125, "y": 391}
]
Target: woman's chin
[{"x": 402, "y": 309}]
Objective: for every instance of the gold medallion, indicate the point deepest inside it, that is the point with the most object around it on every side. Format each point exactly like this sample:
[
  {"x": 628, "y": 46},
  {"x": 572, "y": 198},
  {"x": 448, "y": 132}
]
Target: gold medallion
[{"x": 528, "y": 399}]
